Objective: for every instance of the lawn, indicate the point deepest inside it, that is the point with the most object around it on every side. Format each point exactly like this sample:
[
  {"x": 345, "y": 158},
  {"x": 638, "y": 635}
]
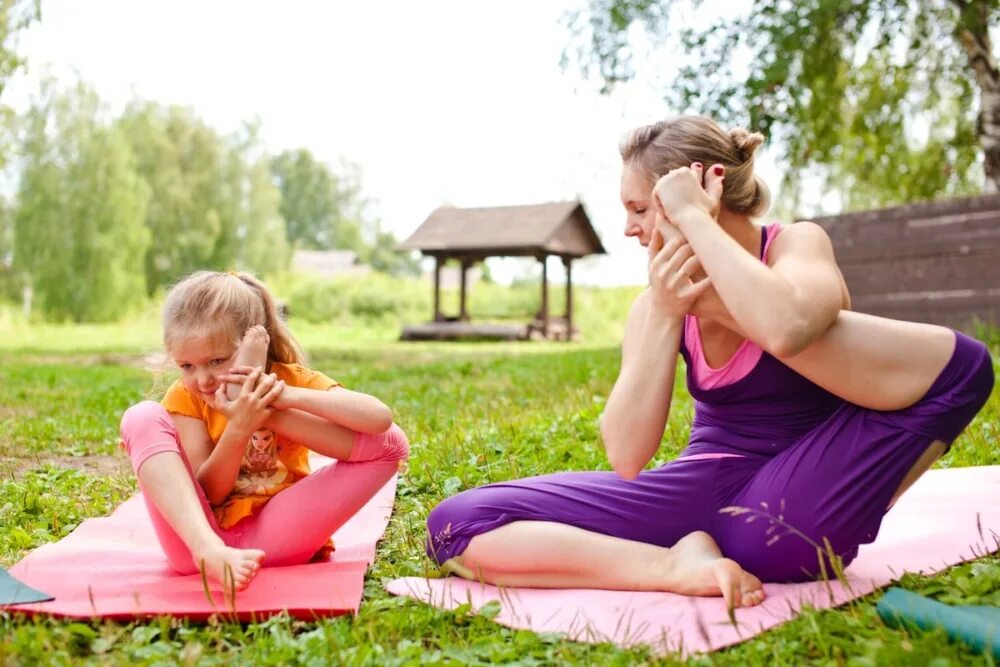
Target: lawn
[{"x": 475, "y": 414}]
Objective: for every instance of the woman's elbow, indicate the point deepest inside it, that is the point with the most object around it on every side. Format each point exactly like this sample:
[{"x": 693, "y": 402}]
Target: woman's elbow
[
  {"x": 786, "y": 344},
  {"x": 793, "y": 337},
  {"x": 621, "y": 460},
  {"x": 627, "y": 470}
]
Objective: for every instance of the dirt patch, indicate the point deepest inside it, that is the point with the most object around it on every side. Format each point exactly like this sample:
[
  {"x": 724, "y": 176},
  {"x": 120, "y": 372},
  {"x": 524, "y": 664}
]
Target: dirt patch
[
  {"x": 19, "y": 412},
  {"x": 144, "y": 361},
  {"x": 93, "y": 464}
]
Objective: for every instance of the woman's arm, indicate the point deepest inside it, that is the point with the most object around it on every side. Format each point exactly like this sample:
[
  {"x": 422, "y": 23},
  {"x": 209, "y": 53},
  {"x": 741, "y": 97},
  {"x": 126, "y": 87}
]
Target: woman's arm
[
  {"x": 783, "y": 307},
  {"x": 637, "y": 409}
]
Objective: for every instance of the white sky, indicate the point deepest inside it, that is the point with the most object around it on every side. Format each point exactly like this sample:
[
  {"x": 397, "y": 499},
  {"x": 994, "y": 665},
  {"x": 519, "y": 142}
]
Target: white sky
[{"x": 460, "y": 103}]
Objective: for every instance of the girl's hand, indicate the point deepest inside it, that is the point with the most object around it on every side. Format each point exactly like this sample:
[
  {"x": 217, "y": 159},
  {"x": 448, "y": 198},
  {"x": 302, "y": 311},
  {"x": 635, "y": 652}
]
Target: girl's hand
[
  {"x": 256, "y": 399},
  {"x": 679, "y": 195},
  {"x": 239, "y": 374},
  {"x": 671, "y": 265}
]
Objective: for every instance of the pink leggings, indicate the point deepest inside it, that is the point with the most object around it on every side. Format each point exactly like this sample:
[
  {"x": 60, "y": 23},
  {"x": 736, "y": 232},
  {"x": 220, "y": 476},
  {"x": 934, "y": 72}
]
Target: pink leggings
[{"x": 296, "y": 522}]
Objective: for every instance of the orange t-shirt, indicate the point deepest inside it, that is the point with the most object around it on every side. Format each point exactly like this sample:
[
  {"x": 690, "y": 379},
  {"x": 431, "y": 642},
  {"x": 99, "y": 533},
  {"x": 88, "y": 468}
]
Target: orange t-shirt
[{"x": 271, "y": 462}]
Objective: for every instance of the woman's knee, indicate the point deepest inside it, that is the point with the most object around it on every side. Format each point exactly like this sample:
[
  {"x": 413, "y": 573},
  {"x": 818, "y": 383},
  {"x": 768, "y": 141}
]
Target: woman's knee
[
  {"x": 453, "y": 523},
  {"x": 967, "y": 378},
  {"x": 959, "y": 392}
]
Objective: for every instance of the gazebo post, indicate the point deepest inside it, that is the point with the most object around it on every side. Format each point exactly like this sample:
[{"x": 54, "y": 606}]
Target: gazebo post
[
  {"x": 545, "y": 296},
  {"x": 568, "y": 263},
  {"x": 463, "y": 314},
  {"x": 437, "y": 288}
]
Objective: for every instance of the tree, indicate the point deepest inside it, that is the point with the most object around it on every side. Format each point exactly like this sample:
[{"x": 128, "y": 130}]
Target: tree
[
  {"x": 873, "y": 97},
  {"x": 15, "y": 16},
  {"x": 383, "y": 256},
  {"x": 195, "y": 183},
  {"x": 79, "y": 232},
  {"x": 263, "y": 243},
  {"x": 322, "y": 211}
]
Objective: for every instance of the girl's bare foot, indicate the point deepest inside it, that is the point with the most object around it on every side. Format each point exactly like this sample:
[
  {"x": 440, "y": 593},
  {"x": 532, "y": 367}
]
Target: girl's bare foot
[
  {"x": 252, "y": 351},
  {"x": 697, "y": 567},
  {"x": 229, "y": 566}
]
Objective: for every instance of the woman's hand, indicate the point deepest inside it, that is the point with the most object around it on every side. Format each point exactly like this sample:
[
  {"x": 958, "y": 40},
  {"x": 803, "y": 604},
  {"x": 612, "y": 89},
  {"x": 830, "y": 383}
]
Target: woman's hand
[
  {"x": 256, "y": 400},
  {"x": 685, "y": 193},
  {"x": 671, "y": 267}
]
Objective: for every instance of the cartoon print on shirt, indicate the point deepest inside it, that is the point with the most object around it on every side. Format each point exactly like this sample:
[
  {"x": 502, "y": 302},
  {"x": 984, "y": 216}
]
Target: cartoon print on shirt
[{"x": 261, "y": 468}]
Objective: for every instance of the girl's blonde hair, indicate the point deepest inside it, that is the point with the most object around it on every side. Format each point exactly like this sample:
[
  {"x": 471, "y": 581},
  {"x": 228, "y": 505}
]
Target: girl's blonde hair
[
  {"x": 214, "y": 303},
  {"x": 677, "y": 142}
]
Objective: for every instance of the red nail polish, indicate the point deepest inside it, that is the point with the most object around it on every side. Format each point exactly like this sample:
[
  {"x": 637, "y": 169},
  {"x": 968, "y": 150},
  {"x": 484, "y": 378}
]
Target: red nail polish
[
  {"x": 718, "y": 169},
  {"x": 698, "y": 165}
]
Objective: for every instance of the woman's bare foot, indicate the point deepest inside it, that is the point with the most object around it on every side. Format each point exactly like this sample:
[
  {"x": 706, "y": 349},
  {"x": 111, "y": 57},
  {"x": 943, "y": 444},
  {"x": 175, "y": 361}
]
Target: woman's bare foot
[
  {"x": 252, "y": 351},
  {"x": 229, "y": 566},
  {"x": 697, "y": 567}
]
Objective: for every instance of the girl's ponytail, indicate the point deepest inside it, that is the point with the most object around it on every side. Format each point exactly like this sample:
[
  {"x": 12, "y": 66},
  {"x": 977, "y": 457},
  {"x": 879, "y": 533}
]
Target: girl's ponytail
[{"x": 283, "y": 347}]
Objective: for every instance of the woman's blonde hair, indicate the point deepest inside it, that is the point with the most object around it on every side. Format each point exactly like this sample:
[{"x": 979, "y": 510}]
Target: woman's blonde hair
[
  {"x": 214, "y": 303},
  {"x": 677, "y": 142}
]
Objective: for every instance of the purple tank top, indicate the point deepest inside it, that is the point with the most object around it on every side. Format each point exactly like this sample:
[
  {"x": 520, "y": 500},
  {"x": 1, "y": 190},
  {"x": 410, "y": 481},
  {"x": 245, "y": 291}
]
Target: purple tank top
[{"x": 763, "y": 412}]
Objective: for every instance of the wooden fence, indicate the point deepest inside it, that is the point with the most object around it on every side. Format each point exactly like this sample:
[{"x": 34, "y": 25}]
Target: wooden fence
[{"x": 937, "y": 262}]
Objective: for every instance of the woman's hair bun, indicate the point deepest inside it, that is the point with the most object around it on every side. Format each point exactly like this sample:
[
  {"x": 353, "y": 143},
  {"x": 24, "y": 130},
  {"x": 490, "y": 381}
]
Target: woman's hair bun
[{"x": 746, "y": 142}]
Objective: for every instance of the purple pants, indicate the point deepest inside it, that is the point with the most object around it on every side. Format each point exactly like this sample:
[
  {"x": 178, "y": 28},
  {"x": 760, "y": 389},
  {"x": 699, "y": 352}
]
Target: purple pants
[{"x": 833, "y": 484}]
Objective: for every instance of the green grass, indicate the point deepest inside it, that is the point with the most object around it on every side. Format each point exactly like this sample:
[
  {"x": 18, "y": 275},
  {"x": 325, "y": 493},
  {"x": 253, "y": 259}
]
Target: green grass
[{"x": 475, "y": 414}]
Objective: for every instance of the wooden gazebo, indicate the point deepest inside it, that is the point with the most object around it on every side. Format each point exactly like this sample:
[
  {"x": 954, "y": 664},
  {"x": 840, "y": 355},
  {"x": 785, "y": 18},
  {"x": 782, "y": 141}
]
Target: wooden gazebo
[{"x": 470, "y": 235}]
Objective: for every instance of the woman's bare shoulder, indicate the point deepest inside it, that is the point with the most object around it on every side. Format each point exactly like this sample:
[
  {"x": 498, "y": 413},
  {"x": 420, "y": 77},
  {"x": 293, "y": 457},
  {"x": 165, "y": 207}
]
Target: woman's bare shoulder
[{"x": 804, "y": 236}]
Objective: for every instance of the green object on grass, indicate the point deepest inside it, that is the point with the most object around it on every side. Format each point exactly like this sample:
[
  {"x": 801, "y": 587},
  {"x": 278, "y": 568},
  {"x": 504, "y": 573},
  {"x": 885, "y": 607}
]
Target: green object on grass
[
  {"x": 13, "y": 591},
  {"x": 975, "y": 625}
]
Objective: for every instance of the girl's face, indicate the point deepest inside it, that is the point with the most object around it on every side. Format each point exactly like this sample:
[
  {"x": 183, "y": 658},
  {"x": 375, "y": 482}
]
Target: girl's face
[
  {"x": 640, "y": 214},
  {"x": 202, "y": 359}
]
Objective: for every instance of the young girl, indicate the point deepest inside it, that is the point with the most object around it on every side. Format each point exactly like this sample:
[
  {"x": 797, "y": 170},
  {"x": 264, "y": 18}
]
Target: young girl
[{"x": 222, "y": 461}]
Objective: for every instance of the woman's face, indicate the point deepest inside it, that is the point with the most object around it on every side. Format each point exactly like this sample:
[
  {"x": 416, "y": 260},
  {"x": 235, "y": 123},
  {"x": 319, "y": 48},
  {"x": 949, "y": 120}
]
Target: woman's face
[{"x": 640, "y": 215}]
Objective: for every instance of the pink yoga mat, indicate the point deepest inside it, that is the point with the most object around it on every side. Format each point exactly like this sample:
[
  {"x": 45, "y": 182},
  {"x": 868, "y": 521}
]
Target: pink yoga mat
[
  {"x": 949, "y": 516},
  {"x": 113, "y": 567}
]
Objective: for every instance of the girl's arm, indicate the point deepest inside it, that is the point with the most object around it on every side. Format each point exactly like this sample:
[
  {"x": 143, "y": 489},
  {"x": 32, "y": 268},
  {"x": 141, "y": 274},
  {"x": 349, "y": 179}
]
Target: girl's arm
[
  {"x": 316, "y": 433},
  {"x": 637, "y": 409},
  {"x": 216, "y": 468},
  {"x": 783, "y": 307},
  {"x": 352, "y": 410},
  {"x": 325, "y": 421}
]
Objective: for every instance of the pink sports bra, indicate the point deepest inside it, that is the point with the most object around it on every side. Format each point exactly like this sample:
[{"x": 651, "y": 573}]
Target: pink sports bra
[{"x": 748, "y": 353}]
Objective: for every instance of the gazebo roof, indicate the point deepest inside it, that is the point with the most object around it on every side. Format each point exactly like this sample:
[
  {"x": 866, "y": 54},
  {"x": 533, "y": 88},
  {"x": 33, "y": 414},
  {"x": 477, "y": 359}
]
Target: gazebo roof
[{"x": 557, "y": 228}]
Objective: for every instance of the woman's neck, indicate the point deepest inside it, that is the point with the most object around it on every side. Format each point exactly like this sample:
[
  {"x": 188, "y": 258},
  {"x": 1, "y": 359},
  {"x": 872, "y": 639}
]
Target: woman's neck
[{"x": 741, "y": 228}]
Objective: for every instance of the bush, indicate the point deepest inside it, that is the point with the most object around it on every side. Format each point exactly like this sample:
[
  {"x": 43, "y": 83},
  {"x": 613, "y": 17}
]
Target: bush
[{"x": 370, "y": 298}]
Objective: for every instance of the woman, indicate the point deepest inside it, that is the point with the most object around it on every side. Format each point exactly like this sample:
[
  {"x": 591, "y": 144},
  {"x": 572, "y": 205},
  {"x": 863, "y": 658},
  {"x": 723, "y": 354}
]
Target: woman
[{"x": 810, "y": 420}]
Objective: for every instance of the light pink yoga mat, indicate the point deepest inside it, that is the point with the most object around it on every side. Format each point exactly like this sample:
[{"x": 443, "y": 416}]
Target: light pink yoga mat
[
  {"x": 113, "y": 567},
  {"x": 949, "y": 516}
]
